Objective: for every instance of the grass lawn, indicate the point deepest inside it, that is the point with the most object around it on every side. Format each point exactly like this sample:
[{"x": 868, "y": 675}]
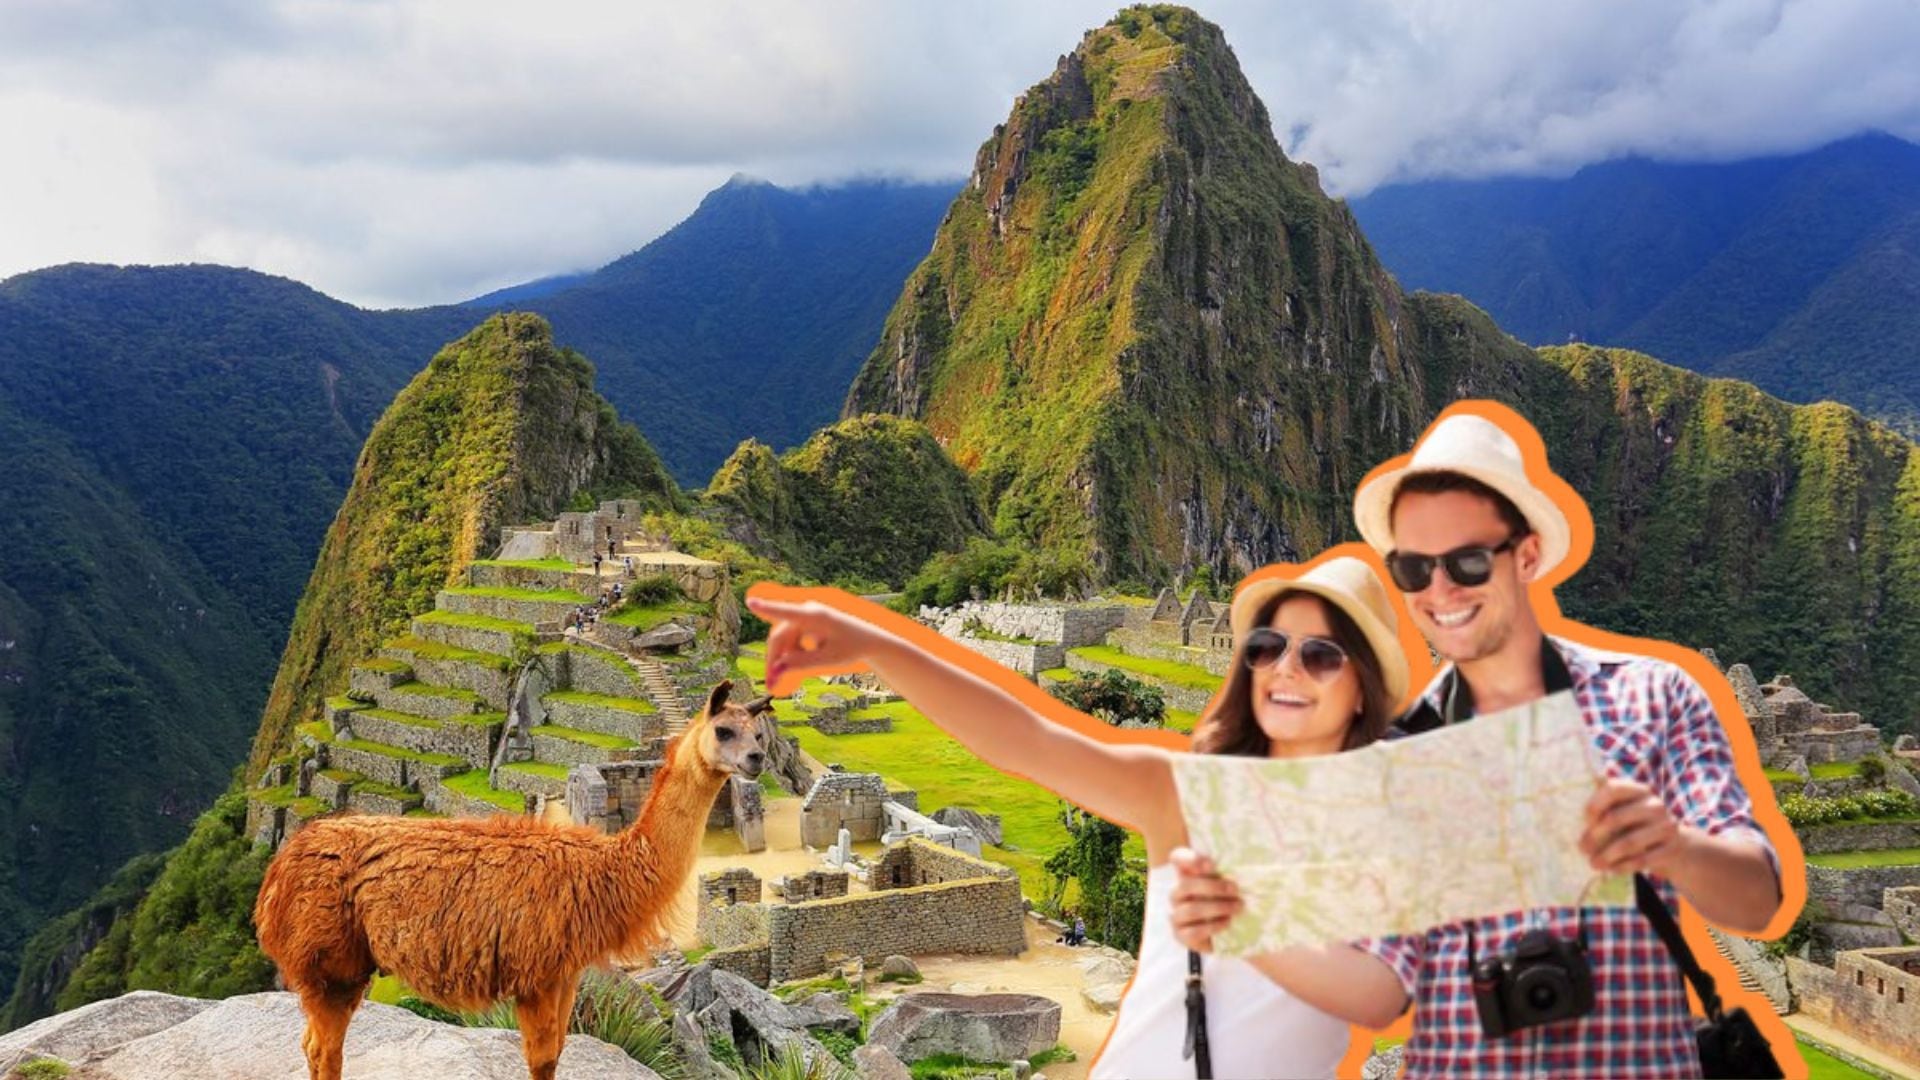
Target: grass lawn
[
  {"x": 581, "y": 697},
  {"x": 1824, "y": 1066},
  {"x": 1834, "y": 770},
  {"x": 1854, "y": 860},
  {"x": 549, "y": 769},
  {"x": 477, "y": 622},
  {"x": 474, "y": 785},
  {"x": 590, "y": 738},
  {"x": 1779, "y": 776},
  {"x": 1187, "y": 675},
  {"x": 652, "y": 615},
  {"x": 433, "y": 650},
  {"x": 918, "y": 755}
]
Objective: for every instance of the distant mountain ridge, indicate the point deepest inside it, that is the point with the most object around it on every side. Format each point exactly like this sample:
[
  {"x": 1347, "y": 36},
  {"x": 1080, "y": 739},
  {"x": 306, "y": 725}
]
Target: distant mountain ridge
[{"x": 1799, "y": 273}]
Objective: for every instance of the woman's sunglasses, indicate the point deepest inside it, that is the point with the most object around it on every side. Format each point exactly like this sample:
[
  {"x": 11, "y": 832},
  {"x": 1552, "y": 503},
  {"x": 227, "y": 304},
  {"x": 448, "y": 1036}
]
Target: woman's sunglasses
[
  {"x": 1320, "y": 658},
  {"x": 1468, "y": 566}
]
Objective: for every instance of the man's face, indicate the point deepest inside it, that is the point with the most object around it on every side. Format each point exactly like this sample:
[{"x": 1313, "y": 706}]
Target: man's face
[{"x": 1464, "y": 623}]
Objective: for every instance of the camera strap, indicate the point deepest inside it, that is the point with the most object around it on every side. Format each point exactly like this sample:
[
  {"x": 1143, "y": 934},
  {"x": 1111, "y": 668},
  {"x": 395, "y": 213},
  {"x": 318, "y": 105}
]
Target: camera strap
[
  {"x": 1655, "y": 909},
  {"x": 1196, "y": 1043}
]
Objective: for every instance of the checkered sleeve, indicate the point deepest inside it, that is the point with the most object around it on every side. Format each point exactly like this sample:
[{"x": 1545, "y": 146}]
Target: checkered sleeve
[
  {"x": 1401, "y": 952},
  {"x": 1701, "y": 785}
]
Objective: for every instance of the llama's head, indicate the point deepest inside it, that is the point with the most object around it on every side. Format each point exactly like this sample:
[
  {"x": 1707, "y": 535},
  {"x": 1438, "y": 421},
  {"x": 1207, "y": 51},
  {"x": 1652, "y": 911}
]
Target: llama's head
[{"x": 733, "y": 738}]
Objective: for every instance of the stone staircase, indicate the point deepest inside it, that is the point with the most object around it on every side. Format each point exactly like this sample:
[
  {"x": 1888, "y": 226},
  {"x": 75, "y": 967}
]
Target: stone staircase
[
  {"x": 416, "y": 729},
  {"x": 1747, "y": 981},
  {"x": 663, "y": 692}
]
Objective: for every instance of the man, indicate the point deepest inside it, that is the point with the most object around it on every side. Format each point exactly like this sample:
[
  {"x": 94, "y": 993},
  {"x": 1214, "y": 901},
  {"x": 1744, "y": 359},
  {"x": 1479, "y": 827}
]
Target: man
[{"x": 1465, "y": 530}]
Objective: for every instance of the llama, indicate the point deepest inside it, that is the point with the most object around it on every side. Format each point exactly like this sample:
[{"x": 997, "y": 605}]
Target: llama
[{"x": 468, "y": 912}]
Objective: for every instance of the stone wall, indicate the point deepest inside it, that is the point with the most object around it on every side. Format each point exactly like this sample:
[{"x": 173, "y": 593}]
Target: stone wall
[
  {"x": 735, "y": 885},
  {"x": 1156, "y": 643},
  {"x": 595, "y": 672},
  {"x": 1861, "y": 836},
  {"x": 921, "y": 862},
  {"x": 726, "y": 926},
  {"x": 1813, "y": 987},
  {"x": 815, "y": 885},
  {"x": 1865, "y": 887},
  {"x": 851, "y": 801},
  {"x": 609, "y": 796},
  {"x": 1876, "y": 998},
  {"x": 744, "y": 798},
  {"x": 982, "y": 916},
  {"x": 1902, "y": 905},
  {"x": 834, "y": 720},
  {"x": 1069, "y": 625},
  {"x": 751, "y": 962},
  {"x": 1827, "y": 746},
  {"x": 1028, "y": 660}
]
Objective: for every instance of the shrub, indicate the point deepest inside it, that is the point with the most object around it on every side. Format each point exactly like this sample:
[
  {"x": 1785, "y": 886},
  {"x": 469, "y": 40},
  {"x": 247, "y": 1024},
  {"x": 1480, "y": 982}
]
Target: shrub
[
  {"x": 614, "y": 1010},
  {"x": 1873, "y": 770}
]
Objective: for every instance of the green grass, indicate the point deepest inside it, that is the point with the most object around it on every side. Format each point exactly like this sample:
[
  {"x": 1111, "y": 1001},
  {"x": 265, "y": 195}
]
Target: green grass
[
  {"x": 1855, "y": 860},
  {"x": 528, "y": 564},
  {"x": 1167, "y": 671},
  {"x": 342, "y": 701},
  {"x": 771, "y": 787},
  {"x": 548, "y": 769},
  {"x": 1056, "y": 674},
  {"x": 400, "y": 718},
  {"x": 434, "y": 650},
  {"x": 397, "y": 752},
  {"x": 342, "y": 776},
  {"x": 1781, "y": 776},
  {"x": 591, "y": 738},
  {"x": 501, "y": 592},
  {"x": 477, "y": 622},
  {"x": 651, "y": 615},
  {"x": 581, "y": 697},
  {"x": 383, "y": 664},
  {"x": 1824, "y": 1066},
  {"x": 1181, "y": 719},
  {"x": 305, "y": 806},
  {"x": 474, "y": 786},
  {"x": 1835, "y": 770}
]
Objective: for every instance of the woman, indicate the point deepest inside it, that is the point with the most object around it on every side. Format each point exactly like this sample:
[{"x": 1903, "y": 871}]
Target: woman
[{"x": 1318, "y": 668}]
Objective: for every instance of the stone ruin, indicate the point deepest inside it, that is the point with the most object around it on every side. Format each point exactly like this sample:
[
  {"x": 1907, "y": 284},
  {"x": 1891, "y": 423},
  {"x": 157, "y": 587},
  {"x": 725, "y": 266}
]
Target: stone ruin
[
  {"x": 916, "y": 898},
  {"x": 844, "y": 806}
]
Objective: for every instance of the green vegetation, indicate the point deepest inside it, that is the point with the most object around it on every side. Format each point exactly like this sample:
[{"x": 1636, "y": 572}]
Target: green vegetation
[
  {"x": 614, "y": 1010},
  {"x": 1834, "y": 770},
  {"x": 547, "y": 769},
  {"x": 477, "y": 622},
  {"x": 866, "y": 500},
  {"x": 1114, "y": 698},
  {"x": 381, "y": 664},
  {"x": 1822, "y": 1065},
  {"x": 1855, "y": 860},
  {"x": 474, "y": 786},
  {"x": 529, "y": 564},
  {"x": 646, "y": 617},
  {"x": 42, "y": 1069},
  {"x": 501, "y": 592},
  {"x": 581, "y": 697},
  {"x": 1882, "y": 804},
  {"x": 989, "y": 568},
  {"x": 434, "y": 650},
  {"x": 1781, "y": 776},
  {"x": 1187, "y": 675}
]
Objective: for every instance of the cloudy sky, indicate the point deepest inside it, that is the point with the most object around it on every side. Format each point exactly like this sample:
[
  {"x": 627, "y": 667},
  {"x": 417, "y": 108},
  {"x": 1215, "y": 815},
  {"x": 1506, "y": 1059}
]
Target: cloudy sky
[{"x": 394, "y": 152}]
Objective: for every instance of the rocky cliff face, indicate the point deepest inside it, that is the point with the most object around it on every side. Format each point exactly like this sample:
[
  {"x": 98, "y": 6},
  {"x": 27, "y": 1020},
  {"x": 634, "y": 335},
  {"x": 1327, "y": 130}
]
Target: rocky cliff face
[
  {"x": 1151, "y": 340},
  {"x": 501, "y": 428}
]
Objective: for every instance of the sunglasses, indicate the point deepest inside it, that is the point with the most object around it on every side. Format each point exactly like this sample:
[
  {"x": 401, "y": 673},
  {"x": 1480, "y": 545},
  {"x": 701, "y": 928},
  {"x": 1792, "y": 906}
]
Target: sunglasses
[
  {"x": 1467, "y": 566},
  {"x": 1319, "y": 658}
]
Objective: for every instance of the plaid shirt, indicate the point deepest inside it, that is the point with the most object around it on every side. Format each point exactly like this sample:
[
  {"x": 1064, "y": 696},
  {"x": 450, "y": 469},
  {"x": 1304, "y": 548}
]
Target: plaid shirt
[{"x": 1653, "y": 724}]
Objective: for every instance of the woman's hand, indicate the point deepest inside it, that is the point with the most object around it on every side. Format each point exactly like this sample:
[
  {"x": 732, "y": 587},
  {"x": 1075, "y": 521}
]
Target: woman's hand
[
  {"x": 811, "y": 637},
  {"x": 1203, "y": 901}
]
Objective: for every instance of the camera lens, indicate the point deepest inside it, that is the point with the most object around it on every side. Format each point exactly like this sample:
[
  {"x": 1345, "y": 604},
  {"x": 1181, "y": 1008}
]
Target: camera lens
[{"x": 1543, "y": 989}]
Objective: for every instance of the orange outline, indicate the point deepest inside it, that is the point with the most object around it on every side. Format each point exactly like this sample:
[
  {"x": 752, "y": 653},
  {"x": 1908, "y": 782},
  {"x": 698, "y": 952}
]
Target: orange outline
[{"x": 1547, "y": 610}]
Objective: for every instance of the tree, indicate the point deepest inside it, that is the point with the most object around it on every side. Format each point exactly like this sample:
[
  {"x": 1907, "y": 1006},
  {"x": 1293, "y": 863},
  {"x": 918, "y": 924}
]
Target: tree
[
  {"x": 1115, "y": 698},
  {"x": 1112, "y": 897}
]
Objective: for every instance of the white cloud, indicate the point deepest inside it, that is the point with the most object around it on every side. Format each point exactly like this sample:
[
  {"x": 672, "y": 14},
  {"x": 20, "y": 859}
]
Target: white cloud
[{"x": 413, "y": 152}]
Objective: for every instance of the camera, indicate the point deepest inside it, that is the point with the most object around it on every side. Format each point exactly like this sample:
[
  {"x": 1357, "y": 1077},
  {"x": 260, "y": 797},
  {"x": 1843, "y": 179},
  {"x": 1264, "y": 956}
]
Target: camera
[{"x": 1539, "y": 980}]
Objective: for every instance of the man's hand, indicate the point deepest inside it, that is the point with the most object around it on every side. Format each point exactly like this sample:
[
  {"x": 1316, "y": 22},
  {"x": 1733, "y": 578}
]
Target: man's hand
[
  {"x": 1203, "y": 901},
  {"x": 1630, "y": 830}
]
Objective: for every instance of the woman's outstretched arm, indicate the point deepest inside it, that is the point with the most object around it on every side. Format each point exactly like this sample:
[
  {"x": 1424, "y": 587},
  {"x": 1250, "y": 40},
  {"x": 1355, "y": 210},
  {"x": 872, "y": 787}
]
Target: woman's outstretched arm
[{"x": 1128, "y": 784}]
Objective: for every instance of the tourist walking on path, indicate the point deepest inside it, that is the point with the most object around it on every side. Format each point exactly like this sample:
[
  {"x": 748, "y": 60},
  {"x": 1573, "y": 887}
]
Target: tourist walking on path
[
  {"x": 1318, "y": 667},
  {"x": 1465, "y": 528}
]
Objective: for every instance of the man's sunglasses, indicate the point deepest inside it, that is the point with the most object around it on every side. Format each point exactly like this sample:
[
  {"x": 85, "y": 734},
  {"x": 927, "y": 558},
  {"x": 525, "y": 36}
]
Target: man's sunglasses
[
  {"x": 1319, "y": 657},
  {"x": 1467, "y": 566}
]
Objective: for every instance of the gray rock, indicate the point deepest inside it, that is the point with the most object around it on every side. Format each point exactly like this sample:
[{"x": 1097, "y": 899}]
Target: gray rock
[
  {"x": 769, "y": 1019},
  {"x": 1103, "y": 980},
  {"x": 899, "y": 967},
  {"x": 690, "y": 1041},
  {"x": 824, "y": 1011},
  {"x": 1384, "y": 1065},
  {"x": 871, "y": 1062},
  {"x": 257, "y": 1037},
  {"x": 985, "y": 1027},
  {"x": 1830, "y": 938},
  {"x": 985, "y": 826},
  {"x": 92, "y": 1029},
  {"x": 667, "y": 636}
]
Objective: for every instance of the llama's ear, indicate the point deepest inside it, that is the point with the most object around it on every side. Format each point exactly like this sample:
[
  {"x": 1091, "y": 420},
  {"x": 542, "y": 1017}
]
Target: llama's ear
[
  {"x": 718, "y": 699},
  {"x": 759, "y": 705}
]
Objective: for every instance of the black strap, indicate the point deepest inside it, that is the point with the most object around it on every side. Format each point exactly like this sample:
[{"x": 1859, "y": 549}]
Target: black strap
[
  {"x": 1655, "y": 909},
  {"x": 1196, "y": 1044}
]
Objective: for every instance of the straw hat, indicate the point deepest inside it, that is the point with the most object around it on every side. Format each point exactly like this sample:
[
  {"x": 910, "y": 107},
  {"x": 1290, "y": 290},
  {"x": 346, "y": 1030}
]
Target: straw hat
[
  {"x": 1475, "y": 447},
  {"x": 1352, "y": 586}
]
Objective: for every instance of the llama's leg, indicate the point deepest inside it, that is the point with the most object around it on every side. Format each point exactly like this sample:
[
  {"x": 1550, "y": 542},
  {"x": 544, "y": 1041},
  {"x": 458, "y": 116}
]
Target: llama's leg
[
  {"x": 543, "y": 1027},
  {"x": 329, "y": 1010}
]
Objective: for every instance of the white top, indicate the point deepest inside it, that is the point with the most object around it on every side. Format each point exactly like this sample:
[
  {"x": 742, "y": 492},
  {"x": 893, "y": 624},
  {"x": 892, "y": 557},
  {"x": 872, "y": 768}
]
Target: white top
[{"x": 1255, "y": 1028}]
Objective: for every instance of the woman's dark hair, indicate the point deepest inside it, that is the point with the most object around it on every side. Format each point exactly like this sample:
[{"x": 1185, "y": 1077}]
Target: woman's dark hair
[{"x": 1230, "y": 727}]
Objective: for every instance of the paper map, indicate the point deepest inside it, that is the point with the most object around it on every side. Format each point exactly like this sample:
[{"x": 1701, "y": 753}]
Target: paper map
[{"x": 1471, "y": 820}]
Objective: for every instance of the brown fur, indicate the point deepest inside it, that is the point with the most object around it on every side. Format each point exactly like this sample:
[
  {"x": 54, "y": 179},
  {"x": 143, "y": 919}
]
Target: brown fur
[{"x": 470, "y": 912}]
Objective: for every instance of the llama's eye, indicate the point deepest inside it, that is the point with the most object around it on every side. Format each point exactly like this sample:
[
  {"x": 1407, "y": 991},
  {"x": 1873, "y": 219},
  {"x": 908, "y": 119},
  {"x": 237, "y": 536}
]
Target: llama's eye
[{"x": 723, "y": 733}]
